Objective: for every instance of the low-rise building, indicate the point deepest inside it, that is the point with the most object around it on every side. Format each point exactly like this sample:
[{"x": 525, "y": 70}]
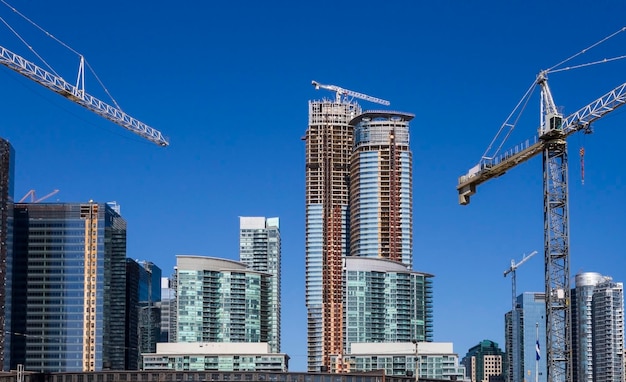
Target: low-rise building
[
  {"x": 433, "y": 360},
  {"x": 218, "y": 356},
  {"x": 484, "y": 362}
]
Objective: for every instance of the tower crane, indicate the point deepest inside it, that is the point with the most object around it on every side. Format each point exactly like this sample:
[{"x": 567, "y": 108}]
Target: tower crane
[
  {"x": 552, "y": 144},
  {"x": 514, "y": 350},
  {"x": 512, "y": 270},
  {"x": 342, "y": 93}
]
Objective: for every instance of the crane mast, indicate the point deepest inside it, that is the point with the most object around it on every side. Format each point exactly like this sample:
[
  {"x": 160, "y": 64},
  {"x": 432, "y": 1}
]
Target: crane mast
[
  {"x": 551, "y": 143},
  {"x": 341, "y": 92},
  {"x": 78, "y": 95},
  {"x": 513, "y": 351}
]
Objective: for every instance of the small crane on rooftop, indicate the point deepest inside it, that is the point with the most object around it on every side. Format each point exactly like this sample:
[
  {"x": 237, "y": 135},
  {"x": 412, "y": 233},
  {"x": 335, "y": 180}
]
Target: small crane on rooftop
[
  {"x": 512, "y": 270},
  {"x": 342, "y": 93},
  {"x": 514, "y": 346},
  {"x": 34, "y": 199}
]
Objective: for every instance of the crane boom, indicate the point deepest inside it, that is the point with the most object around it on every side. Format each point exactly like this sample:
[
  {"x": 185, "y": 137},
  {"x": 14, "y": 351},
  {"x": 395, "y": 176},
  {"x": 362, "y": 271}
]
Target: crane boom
[
  {"x": 514, "y": 266},
  {"x": 577, "y": 121},
  {"x": 345, "y": 92},
  {"x": 512, "y": 270},
  {"x": 73, "y": 93}
]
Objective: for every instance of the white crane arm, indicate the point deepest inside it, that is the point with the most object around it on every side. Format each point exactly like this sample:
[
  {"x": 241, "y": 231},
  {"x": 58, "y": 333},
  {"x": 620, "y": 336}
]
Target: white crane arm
[
  {"x": 525, "y": 259},
  {"x": 584, "y": 117},
  {"x": 577, "y": 121},
  {"x": 515, "y": 266},
  {"x": 345, "y": 92},
  {"x": 67, "y": 90}
]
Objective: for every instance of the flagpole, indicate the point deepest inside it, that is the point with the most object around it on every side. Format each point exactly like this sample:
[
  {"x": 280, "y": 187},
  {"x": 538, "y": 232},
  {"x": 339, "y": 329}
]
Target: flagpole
[{"x": 538, "y": 355}]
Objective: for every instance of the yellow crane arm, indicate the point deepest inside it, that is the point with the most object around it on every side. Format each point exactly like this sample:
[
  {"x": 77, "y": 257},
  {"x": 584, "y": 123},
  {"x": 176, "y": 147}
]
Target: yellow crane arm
[{"x": 580, "y": 120}]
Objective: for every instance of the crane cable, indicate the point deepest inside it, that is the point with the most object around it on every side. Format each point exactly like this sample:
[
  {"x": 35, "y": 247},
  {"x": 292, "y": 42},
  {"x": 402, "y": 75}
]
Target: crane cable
[
  {"x": 553, "y": 70},
  {"x": 526, "y": 98},
  {"x": 604, "y": 60},
  {"x": 516, "y": 114},
  {"x": 28, "y": 46},
  {"x": 581, "y": 152},
  {"x": 58, "y": 41}
]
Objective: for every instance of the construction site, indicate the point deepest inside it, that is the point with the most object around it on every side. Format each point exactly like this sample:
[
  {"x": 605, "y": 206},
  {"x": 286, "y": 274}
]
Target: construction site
[{"x": 359, "y": 203}]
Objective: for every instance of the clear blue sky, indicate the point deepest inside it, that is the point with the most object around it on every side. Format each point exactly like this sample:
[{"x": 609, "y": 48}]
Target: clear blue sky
[{"x": 229, "y": 82}]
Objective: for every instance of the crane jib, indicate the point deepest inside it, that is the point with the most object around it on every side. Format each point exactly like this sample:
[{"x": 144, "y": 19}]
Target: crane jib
[
  {"x": 580, "y": 120},
  {"x": 69, "y": 91}
]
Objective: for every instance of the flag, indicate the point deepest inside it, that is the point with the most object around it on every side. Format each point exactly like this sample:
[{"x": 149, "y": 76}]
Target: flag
[{"x": 538, "y": 350}]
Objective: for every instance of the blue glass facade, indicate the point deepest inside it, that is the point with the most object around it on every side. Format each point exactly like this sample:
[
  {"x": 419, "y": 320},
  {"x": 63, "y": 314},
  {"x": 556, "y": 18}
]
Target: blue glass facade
[
  {"x": 143, "y": 316},
  {"x": 167, "y": 308},
  {"x": 530, "y": 321},
  {"x": 69, "y": 288},
  {"x": 381, "y": 198},
  {"x": 7, "y": 159},
  {"x": 313, "y": 282}
]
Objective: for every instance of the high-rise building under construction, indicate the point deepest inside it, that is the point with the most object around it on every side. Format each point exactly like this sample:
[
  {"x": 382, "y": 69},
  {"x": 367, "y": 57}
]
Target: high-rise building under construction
[
  {"x": 329, "y": 140},
  {"x": 358, "y": 203},
  {"x": 381, "y": 196}
]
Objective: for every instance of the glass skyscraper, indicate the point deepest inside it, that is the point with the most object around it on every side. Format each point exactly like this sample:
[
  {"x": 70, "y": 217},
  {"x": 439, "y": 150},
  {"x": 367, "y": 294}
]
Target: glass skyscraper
[
  {"x": 328, "y": 147},
  {"x": 358, "y": 204},
  {"x": 69, "y": 297},
  {"x": 259, "y": 249},
  {"x": 143, "y": 315},
  {"x": 221, "y": 300},
  {"x": 167, "y": 306},
  {"x": 598, "y": 329},
  {"x": 381, "y": 187},
  {"x": 7, "y": 158},
  {"x": 386, "y": 302},
  {"x": 530, "y": 322}
]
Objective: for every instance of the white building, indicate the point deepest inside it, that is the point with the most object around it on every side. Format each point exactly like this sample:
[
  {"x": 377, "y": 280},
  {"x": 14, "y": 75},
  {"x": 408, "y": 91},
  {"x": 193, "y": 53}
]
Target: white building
[
  {"x": 435, "y": 360},
  {"x": 219, "y": 356},
  {"x": 598, "y": 328}
]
